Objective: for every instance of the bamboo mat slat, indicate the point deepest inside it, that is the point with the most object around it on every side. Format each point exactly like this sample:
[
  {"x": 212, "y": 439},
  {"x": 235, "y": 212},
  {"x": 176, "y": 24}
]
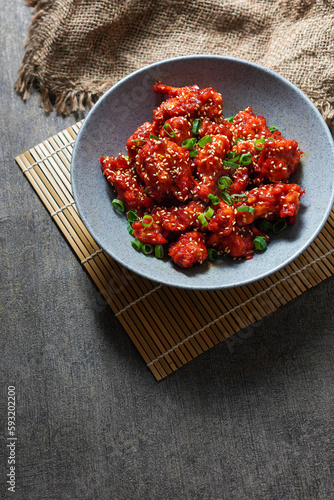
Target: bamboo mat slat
[{"x": 188, "y": 322}]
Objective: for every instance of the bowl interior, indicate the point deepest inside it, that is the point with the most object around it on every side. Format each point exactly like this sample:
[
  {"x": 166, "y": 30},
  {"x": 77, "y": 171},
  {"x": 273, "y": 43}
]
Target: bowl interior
[{"x": 131, "y": 102}]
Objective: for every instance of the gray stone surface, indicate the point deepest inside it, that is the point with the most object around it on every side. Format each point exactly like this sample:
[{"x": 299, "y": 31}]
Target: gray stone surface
[{"x": 252, "y": 419}]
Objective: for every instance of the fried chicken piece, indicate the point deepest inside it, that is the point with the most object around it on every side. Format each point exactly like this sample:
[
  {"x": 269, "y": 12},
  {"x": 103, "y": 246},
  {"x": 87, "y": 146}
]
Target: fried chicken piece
[
  {"x": 154, "y": 234},
  {"x": 187, "y": 101},
  {"x": 189, "y": 249},
  {"x": 209, "y": 166},
  {"x": 238, "y": 243},
  {"x": 176, "y": 129},
  {"x": 212, "y": 128},
  {"x": 271, "y": 202},
  {"x": 137, "y": 140},
  {"x": 246, "y": 125},
  {"x": 165, "y": 168},
  {"x": 223, "y": 220},
  {"x": 126, "y": 182},
  {"x": 180, "y": 219},
  {"x": 278, "y": 160}
]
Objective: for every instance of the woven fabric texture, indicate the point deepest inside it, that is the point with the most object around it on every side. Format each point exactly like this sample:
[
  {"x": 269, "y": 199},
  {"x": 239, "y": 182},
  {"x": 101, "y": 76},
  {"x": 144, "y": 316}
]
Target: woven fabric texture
[{"x": 77, "y": 49}]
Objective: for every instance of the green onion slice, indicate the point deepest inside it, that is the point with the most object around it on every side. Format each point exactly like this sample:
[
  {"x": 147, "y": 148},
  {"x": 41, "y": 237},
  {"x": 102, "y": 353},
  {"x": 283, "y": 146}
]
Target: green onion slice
[
  {"x": 172, "y": 132},
  {"x": 132, "y": 215},
  {"x": 259, "y": 143},
  {"x": 230, "y": 164},
  {"x": 245, "y": 208},
  {"x": 226, "y": 197},
  {"x": 152, "y": 136},
  {"x": 193, "y": 152},
  {"x": 189, "y": 143},
  {"x": 239, "y": 197},
  {"x": 209, "y": 212},
  {"x": 272, "y": 129},
  {"x": 202, "y": 220},
  {"x": 238, "y": 140},
  {"x": 147, "y": 249},
  {"x": 224, "y": 182},
  {"x": 147, "y": 220},
  {"x": 137, "y": 244},
  {"x": 245, "y": 159},
  {"x": 159, "y": 251},
  {"x": 118, "y": 205},
  {"x": 129, "y": 227},
  {"x": 233, "y": 156},
  {"x": 260, "y": 243},
  {"x": 279, "y": 226},
  {"x": 136, "y": 142},
  {"x": 214, "y": 199},
  {"x": 213, "y": 254},
  {"x": 230, "y": 119},
  {"x": 265, "y": 226},
  {"x": 204, "y": 140},
  {"x": 196, "y": 126},
  {"x": 270, "y": 139}
]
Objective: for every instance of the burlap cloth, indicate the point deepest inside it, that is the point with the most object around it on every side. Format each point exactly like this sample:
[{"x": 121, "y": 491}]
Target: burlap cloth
[{"x": 77, "y": 49}]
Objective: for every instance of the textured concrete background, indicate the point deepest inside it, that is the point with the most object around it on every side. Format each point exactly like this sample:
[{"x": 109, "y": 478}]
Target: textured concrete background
[{"x": 252, "y": 419}]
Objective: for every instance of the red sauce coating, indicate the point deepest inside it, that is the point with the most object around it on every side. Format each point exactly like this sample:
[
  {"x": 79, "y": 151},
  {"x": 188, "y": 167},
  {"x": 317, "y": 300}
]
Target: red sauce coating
[{"x": 175, "y": 169}]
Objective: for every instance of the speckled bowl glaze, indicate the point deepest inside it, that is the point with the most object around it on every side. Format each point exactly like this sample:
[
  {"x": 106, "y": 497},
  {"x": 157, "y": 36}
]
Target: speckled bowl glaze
[{"x": 131, "y": 102}]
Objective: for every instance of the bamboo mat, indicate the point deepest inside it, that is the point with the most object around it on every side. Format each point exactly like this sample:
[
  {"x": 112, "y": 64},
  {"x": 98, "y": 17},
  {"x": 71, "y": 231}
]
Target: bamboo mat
[{"x": 169, "y": 326}]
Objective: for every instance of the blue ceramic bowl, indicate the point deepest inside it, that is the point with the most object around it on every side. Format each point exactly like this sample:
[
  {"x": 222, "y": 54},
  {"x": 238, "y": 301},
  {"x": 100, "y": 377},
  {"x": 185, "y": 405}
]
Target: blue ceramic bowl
[{"x": 131, "y": 102}]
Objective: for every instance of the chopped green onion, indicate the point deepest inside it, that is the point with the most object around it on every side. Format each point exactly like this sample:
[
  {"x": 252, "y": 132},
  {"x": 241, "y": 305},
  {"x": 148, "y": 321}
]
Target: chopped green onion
[
  {"x": 132, "y": 215},
  {"x": 129, "y": 227},
  {"x": 152, "y": 136},
  {"x": 233, "y": 156},
  {"x": 226, "y": 197},
  {"x": 142, "y": 140},
  {"x": 209, "y": 212},
  {"x": 204, "y": 140},
  {"x": 189, "y": 143},
  {"x": 279, "y": 226},
  {"x": 214, "y": 199},
  {"x": 147, "y": 249},
  {"x": 245, "y": 208},
  {"x": 230, "y": 119},
  {"x": 148, "y": 219},
  {"x": 230, "y": 164},
  {"x": 245, "y": 159},
  {"x": 265, "y": 226},
  {"x": 213, "y": 254},
  {"x": 239, "y": 197},
  {"x": 146, "y": 190},
  {"x": 193, "y": 152},
  {"x": 202, "y": 220},
  {"x": 260, "y": 243},
  {"x": 270, "y": 139},
  {"x": 224, "y": 182},
  {"x": 172, "y": 133},
  {"x": 196, "y": 126},
  {"x": 118, "y": 205},
  {"x": 272, "y": 129},
  {"x": 137, "y": 244},
  {"x": 238, "y": 140},
  {"x": 126, "y": 158},
  {"x": 259, "y": 143},
  {"x": 159, "y": 251}
]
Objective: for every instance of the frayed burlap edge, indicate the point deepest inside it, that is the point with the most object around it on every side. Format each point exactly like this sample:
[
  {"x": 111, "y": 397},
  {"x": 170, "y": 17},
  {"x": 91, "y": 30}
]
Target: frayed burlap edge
[
  {"x": 327, "y": 110},
  {"x": 64, "y": 96},
  {"x": 68, "y": 97}
]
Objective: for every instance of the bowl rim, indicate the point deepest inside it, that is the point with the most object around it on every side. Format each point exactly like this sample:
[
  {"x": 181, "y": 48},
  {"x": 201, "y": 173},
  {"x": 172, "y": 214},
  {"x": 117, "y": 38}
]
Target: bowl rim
[{"x": 167, "y": 282}]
